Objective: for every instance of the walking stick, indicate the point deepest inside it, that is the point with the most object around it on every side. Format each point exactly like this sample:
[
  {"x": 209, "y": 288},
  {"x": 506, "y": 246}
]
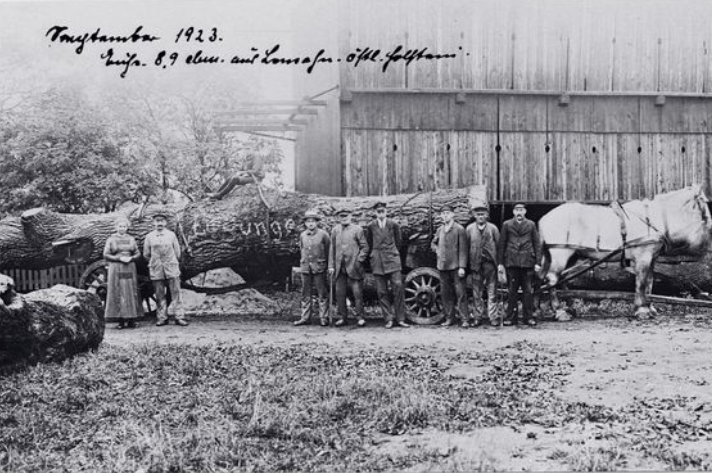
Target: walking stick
[
  {"x": 500, "y": 300},
  {"x": 331, "y": 298}
]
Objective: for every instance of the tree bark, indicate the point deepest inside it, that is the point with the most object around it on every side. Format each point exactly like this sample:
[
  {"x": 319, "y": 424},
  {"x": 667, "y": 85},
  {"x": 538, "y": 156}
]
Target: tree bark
[
  {"x": 49, "y": 325},
  {"x": 240, "y": 231}
]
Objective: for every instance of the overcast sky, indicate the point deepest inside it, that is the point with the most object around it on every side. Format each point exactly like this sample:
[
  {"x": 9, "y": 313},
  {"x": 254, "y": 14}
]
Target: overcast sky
[{"x": 241, "y": 24}]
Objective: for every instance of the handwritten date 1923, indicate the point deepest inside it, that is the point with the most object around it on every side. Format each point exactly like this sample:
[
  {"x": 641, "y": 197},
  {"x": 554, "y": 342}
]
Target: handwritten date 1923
[{"x": 191, "y": 34}]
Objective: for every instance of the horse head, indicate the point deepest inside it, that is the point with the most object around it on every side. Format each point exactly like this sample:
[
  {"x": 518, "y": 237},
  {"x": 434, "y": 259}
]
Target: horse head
[{"x": 688, "y": 218}]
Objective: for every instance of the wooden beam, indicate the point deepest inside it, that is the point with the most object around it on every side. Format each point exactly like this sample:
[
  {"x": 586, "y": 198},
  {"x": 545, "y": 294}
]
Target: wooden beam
[
  {"x": 275, "y": 137},
  {"x": 258, "y": 121},
  {"x": 295, "y": 103},
  {"x": 266, "y": 111},
  {"x": 552, "y": 93},
  {"x": 628, "y": 296},
  {"x": 259, "y": 128}
]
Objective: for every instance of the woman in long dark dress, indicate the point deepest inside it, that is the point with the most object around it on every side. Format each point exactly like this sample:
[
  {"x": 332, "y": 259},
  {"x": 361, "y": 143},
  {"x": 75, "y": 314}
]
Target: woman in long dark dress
[{"x": 123, "y": 301}]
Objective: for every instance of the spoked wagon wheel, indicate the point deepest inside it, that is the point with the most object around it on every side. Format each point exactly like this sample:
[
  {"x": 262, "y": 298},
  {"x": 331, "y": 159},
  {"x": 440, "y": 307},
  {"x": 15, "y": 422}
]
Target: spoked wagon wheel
[
  {"x": 422, "y": 297},
  {"x": 95, "y": 278}
]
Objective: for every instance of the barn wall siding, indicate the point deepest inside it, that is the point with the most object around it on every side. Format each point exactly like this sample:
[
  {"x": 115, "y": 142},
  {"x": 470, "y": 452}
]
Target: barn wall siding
[
  {"x": 601, "y": 45},
  {"x": 594, "y": 149}
]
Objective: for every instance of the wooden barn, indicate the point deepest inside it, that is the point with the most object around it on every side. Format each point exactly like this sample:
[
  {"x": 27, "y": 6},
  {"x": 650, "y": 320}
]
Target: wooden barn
[{"x": 545, "y": 100}]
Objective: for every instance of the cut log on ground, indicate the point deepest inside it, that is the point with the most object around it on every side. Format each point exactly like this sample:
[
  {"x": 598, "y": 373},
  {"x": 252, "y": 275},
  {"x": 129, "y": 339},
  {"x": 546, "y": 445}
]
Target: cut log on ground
[
  {"x": 49, "y": 325},
  {"x": 628, "y": 296}
]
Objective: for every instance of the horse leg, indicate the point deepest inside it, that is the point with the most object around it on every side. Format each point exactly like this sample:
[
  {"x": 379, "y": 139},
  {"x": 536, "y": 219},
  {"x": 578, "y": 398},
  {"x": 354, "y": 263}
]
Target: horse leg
[
  {"x": 559, "y": 259},
  {"x": 643, "y": 280},
  {"x": 649, "y": 288}
]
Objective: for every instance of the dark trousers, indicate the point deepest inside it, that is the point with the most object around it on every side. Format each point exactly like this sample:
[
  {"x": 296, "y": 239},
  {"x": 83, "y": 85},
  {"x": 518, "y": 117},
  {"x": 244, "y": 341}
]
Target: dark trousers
[
  {"x": 453, "y": 287},
  {"x": 524, "y": 278},
  {"x": 309, "y": 282},
  {"x": 342, "y": 280},
  {"x": 396, "y": 280}
]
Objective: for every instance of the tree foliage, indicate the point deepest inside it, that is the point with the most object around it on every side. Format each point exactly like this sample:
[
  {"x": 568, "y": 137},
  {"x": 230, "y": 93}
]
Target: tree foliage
[
  {"x": 78, "y": 148},
  {"x": 60, "y": 152}
]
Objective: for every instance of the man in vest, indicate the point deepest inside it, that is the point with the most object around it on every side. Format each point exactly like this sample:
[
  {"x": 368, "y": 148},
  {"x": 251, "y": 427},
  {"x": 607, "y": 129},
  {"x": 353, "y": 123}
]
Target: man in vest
[
  {"x": 519, "y": 252},
  {"x": 384, "y": 240},
  {"x": 450, "y": 245},
  {"x": 347, "y": 254},
  {"x": 482, "y": 240}
]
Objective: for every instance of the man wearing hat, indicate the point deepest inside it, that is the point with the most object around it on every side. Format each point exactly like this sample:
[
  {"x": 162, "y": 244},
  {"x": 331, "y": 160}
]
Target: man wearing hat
[
  {"x": 384, "y": 239},
  {"x": 314, "y": 246},
  {"x": 162, "y": 251},
  {"x": 347, "y": 254},
  {"x": 450, "y": 245},
  {"x": 482, "y": 239},
  {"x": 519, "y": 252}
]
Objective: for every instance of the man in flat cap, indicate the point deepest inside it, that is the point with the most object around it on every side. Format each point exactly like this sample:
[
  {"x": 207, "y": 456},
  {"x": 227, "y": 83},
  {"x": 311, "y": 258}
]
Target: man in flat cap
[
  {"x": 384, "y": 240},
  {"x": 450, "y": 245},
  {"x": 482, "y": 240},
  {"x": 162, "y": 251},
  {"x": 519, "y": 252},
  {"x": 347, "y": 254},
  {"x": 314, "y": 246}
]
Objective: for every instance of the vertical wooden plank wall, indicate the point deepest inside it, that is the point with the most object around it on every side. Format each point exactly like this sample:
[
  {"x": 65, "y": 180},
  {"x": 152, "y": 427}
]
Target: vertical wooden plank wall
[
  {"x": 319, "y": 167},
  {"x": 594, "y": 149},
  {"x": 552, "y": 45},
  {"x": 599, "y": 147}
]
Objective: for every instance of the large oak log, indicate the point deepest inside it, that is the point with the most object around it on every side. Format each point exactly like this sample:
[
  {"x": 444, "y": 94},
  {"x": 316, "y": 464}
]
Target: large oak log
[
  {"x": 49, "y": 325},
  {"x": 246, "y": 231},
  {"x": 241, "y": 232}
]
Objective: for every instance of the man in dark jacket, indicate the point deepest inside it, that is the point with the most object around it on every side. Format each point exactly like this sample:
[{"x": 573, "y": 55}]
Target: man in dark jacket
[
  {"x": 347, "y": 254},
  {"x": 519, "y": 252},
  {"x": 450, "y": 244},
  {"x": 384, "y": 240}
]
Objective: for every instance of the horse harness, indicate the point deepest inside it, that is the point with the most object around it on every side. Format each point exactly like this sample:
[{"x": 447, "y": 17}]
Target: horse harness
[{"x": 623, "y": 215}]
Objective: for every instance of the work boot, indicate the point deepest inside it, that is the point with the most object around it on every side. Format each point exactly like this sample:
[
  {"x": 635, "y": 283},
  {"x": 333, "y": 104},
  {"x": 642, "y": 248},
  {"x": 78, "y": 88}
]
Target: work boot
[
  {"x": 302, "y": 321},
  {"x": 403, "y": 324},
  {"x": 448, "y": 322},
  {"x": 361, "y": 322},
  {"x": 161, "y": 323},
  {"x": 389, "y": 324},
  {"x": 182, "y": 323},
  {"x": 340, "y": 323},
  {"x": 465, "y": 324}
]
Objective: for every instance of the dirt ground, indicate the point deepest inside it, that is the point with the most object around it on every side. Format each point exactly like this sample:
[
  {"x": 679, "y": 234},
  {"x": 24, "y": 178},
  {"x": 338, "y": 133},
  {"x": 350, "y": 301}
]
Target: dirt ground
[{"x": 616, "y": 362}]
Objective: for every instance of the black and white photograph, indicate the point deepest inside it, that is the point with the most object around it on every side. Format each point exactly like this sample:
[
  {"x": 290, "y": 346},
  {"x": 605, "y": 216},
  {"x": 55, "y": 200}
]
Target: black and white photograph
[{"x": 412, "y": 236}]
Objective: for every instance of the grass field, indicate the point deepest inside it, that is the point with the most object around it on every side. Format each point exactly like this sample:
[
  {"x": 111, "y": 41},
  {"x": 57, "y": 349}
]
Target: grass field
[{"x": 221, "y": 407}]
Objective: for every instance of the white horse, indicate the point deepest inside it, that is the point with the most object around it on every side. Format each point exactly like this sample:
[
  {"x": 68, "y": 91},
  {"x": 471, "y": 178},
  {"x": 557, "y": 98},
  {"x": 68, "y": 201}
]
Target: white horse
[{"x": 677, "y": 222}]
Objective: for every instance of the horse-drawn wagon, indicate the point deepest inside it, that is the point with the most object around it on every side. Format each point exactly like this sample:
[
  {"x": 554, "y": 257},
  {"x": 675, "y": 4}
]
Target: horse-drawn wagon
[{"x": 255, "y": 235}]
